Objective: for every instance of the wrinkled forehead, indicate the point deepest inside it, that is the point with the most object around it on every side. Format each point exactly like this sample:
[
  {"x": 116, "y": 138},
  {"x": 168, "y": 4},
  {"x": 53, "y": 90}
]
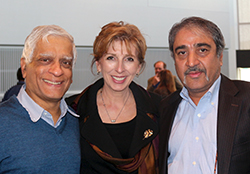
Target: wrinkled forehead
[
  {"x": 159, "y": 65},
  {"x": 199, "y": 31},
  {"x": 57, "y": 38}
]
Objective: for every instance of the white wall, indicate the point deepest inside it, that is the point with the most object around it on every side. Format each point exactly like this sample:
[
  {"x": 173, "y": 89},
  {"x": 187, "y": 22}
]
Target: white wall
[{"x": 84, "y": 18}]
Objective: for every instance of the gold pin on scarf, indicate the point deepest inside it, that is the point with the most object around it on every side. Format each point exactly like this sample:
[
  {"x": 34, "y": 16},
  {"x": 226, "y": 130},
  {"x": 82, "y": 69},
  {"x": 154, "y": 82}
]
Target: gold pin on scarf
[{"x": 148, "y": 133}]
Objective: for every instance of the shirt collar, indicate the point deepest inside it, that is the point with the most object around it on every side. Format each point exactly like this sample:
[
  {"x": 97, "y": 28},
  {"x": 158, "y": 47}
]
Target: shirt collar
[
  {"x": 212, "y": 90},
  {"x": 35, "y": 111}
]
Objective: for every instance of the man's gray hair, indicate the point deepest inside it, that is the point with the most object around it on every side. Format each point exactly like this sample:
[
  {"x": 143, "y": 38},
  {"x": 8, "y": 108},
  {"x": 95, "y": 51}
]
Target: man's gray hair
[{"x": 42, "y": 32}]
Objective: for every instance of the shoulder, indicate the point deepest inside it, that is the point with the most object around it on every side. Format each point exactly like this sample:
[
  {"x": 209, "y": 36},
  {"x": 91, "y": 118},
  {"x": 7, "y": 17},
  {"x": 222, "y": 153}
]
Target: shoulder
[
  {"x": 12, "y": 112},
  {"x": 173, "y": 98},
  {"x": 10, "y": 105},
  {"x": 147, "y": 101},
  {"x": 82, "y": 97},
  {"x": 242, "y": 84},
  {"x": 144, "y": 93},
  {"x": 150, "y": 79},
  {"x": 234, "y": 87}
]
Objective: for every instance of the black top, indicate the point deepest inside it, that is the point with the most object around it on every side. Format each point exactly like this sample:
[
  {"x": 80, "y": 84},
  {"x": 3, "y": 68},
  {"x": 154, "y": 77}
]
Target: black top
[{"x": 122, "y": 135}]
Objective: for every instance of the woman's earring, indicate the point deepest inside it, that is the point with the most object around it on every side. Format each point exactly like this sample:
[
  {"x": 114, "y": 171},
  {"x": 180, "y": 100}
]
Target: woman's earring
[
  {"x": 137, "y": 75},
  {"x": 98, "y": 72}
]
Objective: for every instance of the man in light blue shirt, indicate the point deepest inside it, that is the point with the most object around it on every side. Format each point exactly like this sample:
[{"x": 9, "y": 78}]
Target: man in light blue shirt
[
  {"x": 38, "y": 132},
  {"x": 205, "y": 126}
]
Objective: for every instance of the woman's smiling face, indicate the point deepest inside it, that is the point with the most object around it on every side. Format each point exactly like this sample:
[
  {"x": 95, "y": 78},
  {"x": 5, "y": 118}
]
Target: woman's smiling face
[{"x": 118, "y": 66}]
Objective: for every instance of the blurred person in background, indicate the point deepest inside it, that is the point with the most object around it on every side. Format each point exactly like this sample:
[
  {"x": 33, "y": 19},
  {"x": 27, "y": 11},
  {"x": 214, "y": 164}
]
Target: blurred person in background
[
  {"x": 167, "y": 84},
  {"x": 14, "y": 90},
  {"x": 154, "y": 81}
]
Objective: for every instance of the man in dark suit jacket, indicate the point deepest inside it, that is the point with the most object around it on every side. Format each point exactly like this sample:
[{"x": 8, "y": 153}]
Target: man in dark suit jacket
[{"x": 205, "y": 128}]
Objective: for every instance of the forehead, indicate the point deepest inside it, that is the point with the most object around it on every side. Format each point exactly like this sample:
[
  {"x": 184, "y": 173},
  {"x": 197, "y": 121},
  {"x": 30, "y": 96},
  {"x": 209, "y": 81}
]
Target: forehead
[
  {"x": 54, "y": 44},
  {"x": 54, "y": 40},
  {"x": 192, "y": 36},
  {"x": 124, "y": 47},
  {"x": 159, "y": 64}
]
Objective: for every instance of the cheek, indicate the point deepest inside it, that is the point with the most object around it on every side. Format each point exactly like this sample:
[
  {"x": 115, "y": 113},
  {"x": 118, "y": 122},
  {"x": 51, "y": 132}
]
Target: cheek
[
  {"x": 70, "y": 77},
  {"x": 68, "y": 73},
  {"x": 133, "y": 69},
  {"x": 178, "y": 67}
]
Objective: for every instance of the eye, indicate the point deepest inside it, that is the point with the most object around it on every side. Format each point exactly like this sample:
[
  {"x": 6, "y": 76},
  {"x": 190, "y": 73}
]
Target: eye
[
  {"x": 130, "y": 59},
  {"x": 202, "y": 50},
  {"x": 44, "y": 60},
  {"x": 66, "y": 63},
  {"x": 110, "y": 58},
  {"x": 181, "y": 52}
]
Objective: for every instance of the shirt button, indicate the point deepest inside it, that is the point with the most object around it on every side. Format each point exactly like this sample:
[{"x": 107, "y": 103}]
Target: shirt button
[
  {"x": 199, "y": 115},
  {"x": 197, "y": 138},
  {"x": 194, "y": 163},
  {"x": 212, "y": 103}
]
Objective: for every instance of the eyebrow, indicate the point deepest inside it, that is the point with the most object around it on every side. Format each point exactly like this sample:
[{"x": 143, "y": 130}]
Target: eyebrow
[
  {"x": 180, "y": 47},
  {"x": 51, "y": 55},
  {"x": 68, "y": 58},
  {"x": 196, "y": 45},
  {"x": 202, "y": 44},
  {"x": 45, "y": 55},
  {"x": 124, "y": 56}
]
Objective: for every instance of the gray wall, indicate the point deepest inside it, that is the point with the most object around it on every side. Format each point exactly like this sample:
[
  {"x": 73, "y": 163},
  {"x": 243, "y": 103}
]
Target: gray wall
[{"x": 84, "y": 18}]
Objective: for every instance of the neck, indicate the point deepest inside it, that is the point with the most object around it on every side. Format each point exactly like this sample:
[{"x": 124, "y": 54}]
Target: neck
[
  {"x": 196, "y": 96},
  {"x": 115, "y": 104},
  {"x": 114, "y": 97},
  {"x": 54, "y": 110}
]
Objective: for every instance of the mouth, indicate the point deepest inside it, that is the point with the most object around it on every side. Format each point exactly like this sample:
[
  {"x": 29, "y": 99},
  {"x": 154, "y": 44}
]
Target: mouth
[
  {"x": 118, "y": 78},
  {"x": 194, "y": 73},
  {"x": 52, "y": 83}
]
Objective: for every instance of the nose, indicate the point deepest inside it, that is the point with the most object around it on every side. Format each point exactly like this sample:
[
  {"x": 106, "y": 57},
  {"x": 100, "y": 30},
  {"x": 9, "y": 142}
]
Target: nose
[
  {"x": 192, "y": 59},
  {"x": 56, "y": 69},
  {"x": 120, "y": 66}
]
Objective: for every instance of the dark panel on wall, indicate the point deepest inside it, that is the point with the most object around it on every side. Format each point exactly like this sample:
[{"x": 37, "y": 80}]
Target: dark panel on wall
[{"x": 243, "y": 58}]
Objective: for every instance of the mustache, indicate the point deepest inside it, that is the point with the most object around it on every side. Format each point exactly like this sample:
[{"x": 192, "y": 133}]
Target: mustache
[{"x": 196, "y": 69}]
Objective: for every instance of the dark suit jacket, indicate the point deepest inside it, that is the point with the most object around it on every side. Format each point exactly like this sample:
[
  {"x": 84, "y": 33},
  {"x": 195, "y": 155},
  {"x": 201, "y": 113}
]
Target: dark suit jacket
[
  {"x": 233, "y": 127},
  {"x": 94, "y": 131}
]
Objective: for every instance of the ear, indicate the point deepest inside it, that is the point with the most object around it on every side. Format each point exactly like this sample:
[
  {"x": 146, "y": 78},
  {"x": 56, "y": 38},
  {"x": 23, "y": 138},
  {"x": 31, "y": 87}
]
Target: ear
[
  {"x": 23, "y": 67},
  {"x": 98, "y": 66},
  {"x": 139, "y": 69},
  {"x": 221, "y": 59}
]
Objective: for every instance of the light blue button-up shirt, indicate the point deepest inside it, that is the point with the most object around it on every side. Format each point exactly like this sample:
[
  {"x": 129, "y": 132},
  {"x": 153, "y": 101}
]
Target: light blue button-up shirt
[
  {"x": 36, "y": 112},
  {"x": 192, "y": 142}
]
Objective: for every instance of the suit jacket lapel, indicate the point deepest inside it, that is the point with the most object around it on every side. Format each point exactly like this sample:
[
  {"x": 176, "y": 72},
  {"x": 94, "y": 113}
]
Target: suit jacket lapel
[
  {"x": 228, "y": 113},
  {"x": 92, "y": 128},
  {"x": 167, "y": 113},
  {"x": 143, "y": 122},
  {"x": 95, "y": 132}
]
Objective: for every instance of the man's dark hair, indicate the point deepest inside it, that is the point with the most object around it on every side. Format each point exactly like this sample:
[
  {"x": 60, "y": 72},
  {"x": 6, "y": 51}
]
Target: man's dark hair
[
  {"x": 202, "y": 24},
  {"x": 164, "y": 64}
]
